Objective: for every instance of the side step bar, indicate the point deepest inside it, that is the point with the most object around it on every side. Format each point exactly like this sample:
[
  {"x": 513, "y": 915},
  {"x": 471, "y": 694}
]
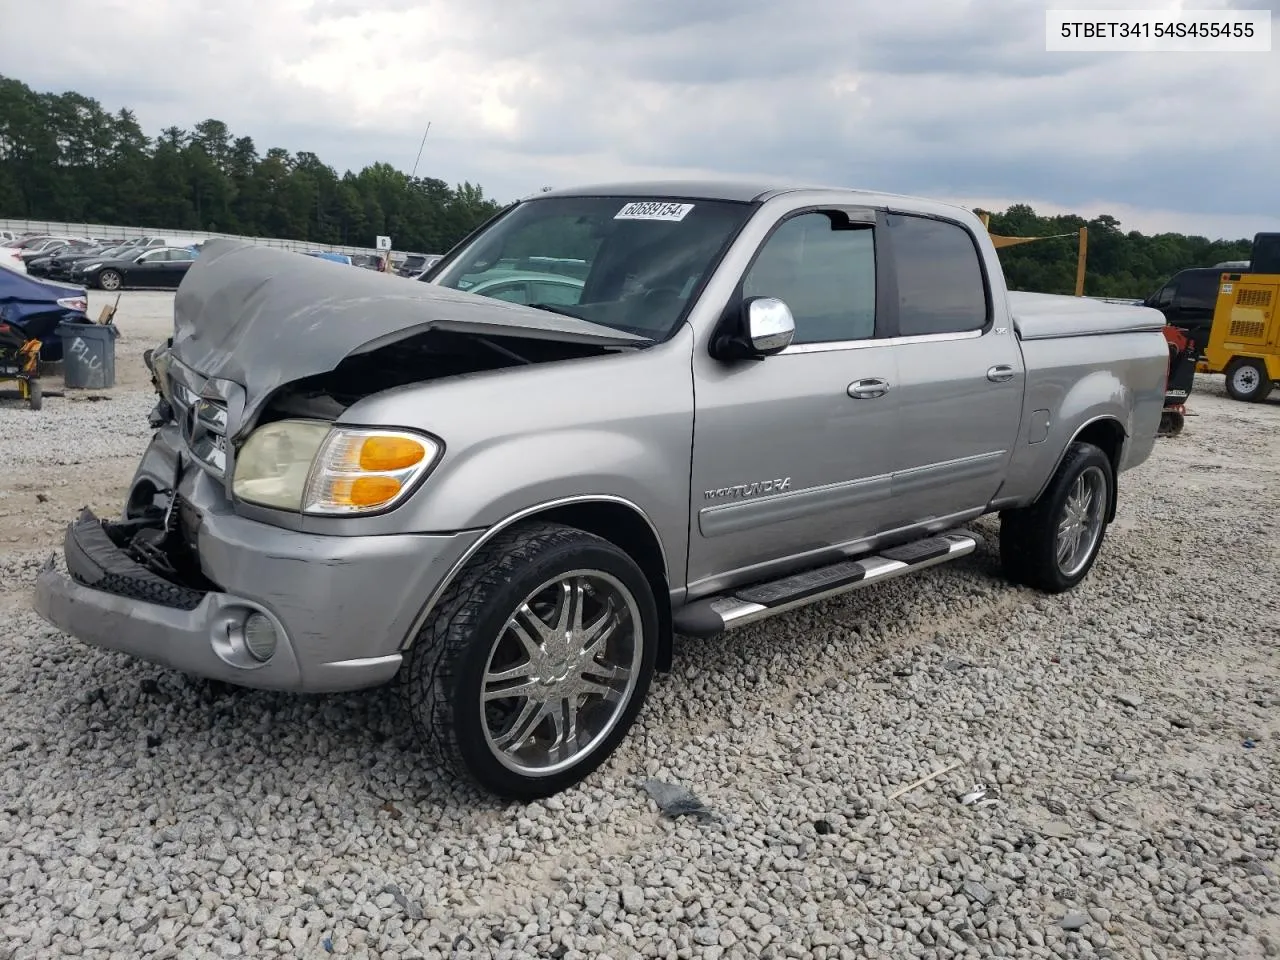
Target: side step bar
[{"x": 714, "y": 615}]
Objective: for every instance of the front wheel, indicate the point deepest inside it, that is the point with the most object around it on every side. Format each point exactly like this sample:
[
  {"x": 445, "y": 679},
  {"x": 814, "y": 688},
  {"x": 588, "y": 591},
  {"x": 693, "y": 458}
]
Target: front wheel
[
  {"x": 109, "y": 280},
  {"x": 1052, "y": 544},
  {"x": 1248, "y": 380},
  {"x": 536, "y": 661}
]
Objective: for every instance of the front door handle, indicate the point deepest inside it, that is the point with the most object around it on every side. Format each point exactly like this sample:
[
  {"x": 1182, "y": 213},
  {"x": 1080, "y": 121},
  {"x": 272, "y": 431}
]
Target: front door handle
[
  {"x": 868, "y": 389},
  {"x": 1000, "y": 374}
]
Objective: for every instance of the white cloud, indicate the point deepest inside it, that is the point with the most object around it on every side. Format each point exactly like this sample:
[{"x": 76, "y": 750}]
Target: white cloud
[{"x": 941, "y": 97}]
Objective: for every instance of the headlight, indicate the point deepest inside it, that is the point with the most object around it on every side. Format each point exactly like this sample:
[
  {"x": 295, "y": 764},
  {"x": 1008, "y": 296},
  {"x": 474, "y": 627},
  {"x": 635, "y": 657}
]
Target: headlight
[
  {"x": 273, "y": 465},
  {"x": 92, "y": 266},
  {"x": 313, "y": 467}
]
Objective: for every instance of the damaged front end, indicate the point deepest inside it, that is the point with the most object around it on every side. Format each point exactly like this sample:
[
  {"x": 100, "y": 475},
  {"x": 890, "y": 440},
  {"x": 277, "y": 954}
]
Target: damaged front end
[
  {"x": 265, "y": 343},
  {"x": 149, "y": 553}
]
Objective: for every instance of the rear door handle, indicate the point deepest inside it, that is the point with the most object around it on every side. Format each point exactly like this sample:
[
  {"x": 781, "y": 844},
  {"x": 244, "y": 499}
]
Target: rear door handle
[
  {"x": 1000, "y": 374},
  {"x": 868, "y": 389}
]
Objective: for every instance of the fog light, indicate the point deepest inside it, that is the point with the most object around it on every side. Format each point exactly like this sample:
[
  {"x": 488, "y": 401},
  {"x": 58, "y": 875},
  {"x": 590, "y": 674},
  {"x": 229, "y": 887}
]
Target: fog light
[{"x": 260, "y": 636}]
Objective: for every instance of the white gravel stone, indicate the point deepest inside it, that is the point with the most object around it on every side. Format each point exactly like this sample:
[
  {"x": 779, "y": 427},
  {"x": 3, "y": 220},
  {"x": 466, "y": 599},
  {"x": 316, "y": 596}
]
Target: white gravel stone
[{"x": 260, "y": 825}]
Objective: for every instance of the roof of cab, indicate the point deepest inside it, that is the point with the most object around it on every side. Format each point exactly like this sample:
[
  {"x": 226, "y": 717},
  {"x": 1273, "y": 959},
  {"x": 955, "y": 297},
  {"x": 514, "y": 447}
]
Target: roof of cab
[{"x": 741, "y": 191}]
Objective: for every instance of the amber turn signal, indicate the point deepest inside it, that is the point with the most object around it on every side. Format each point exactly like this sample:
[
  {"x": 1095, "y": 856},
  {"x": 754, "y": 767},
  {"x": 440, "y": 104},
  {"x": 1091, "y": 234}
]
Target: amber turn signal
[{"x": 386, "y": 453}]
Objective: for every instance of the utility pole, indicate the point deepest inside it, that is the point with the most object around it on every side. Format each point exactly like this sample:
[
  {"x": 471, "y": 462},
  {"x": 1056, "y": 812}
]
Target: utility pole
[{"x": 420, "y": 146}]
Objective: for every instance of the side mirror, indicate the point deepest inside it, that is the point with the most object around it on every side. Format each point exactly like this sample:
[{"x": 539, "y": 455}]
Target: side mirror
[{"x": 765, "y": 327}]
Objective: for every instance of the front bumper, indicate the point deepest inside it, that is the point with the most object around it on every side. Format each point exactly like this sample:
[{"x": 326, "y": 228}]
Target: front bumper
[{"x": 342, "y": 607}]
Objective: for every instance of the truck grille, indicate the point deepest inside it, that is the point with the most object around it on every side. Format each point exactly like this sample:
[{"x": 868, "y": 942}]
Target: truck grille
[{"x": 203, "y": 423}]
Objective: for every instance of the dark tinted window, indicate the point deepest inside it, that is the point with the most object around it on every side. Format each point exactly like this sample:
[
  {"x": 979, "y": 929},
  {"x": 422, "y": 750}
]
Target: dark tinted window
[
  {"x": 826, "y": 276},
  {"x": 1266, "y": 253},
  {"x": 940, "y": 286},
  {"x": 1198, "y": 289}
]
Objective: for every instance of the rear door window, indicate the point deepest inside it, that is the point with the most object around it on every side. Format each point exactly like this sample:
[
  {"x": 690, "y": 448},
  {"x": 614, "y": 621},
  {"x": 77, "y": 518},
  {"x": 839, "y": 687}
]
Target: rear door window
[{"x": 941, "y": 288}]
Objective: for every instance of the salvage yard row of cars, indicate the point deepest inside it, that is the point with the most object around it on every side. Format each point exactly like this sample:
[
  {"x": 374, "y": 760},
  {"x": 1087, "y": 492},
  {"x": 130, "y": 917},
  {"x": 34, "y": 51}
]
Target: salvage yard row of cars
[
  {"x": 139, "y": 264},
  {"x": 143, "y": 262}
]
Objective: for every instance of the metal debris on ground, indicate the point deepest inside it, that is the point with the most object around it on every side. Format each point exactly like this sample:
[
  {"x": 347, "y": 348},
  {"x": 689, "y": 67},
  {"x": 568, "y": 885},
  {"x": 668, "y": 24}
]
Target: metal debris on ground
[
  {"x": 676, "y": 801},
  {"x": 980, "y": 795}
]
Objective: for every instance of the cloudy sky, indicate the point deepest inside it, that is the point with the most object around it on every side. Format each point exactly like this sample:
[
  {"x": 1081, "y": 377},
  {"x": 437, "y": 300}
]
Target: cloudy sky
[{"x": 946, "y": 98}]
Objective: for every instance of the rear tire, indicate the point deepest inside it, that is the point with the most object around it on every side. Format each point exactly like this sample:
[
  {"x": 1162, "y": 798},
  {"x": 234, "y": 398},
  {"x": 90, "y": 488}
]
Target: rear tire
[
  {"x": 35, "y": 394},
  {"x": 1052, "y": 544},
  {"x": 535, "y": 662},
  {"x": 1248, "y": 380}
]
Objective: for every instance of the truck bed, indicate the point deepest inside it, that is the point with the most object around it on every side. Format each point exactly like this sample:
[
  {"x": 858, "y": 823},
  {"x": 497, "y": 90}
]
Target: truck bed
[{"x": 1046, "y": 316}]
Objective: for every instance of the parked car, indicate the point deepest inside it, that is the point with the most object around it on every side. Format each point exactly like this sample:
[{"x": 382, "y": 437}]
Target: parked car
[
  {"x": 429, "y": 261},
  {"x": 57, "y": 265},
  {"x": 764, "y": 397},
  {"x": 59, "y": 245},
  {"x": 331, "y": 257},
  {"x": 155, "y": 267},
  {"x": 38, "y": 306},
  {"x": 1187, "y": 300},
  {"x": 414, "y": 264},
  {"x": 518, "y": 286},
  {"x": 49, "y": 263},
  {"x": 15, "y": 254}
]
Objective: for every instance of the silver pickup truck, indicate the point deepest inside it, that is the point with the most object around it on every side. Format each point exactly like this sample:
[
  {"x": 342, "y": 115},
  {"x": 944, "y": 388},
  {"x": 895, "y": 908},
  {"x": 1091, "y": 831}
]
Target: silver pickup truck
[{"x": 607, "y": 418}]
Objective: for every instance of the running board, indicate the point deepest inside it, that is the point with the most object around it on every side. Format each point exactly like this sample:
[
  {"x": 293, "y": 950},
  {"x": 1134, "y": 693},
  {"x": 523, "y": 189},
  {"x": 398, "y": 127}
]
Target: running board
[{"x": 714, "y": 615}]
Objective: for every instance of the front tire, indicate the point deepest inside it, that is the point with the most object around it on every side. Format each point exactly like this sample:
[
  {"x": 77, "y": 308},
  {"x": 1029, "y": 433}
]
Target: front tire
[
  {"x": 1248, "y": 380},
  {"x": 535, "y": 663},
  {"x": 1052, "y": 544},
  {"x": 109, "y": 280}
]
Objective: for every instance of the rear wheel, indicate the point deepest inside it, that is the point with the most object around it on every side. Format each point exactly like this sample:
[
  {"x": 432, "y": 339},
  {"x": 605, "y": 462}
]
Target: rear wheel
[
  {"x": 35, "y": 394},
  {"x": 1052, "y": 544},
  {"x": 1248, "y": 380},
  {"x": 536, "y": 661}
]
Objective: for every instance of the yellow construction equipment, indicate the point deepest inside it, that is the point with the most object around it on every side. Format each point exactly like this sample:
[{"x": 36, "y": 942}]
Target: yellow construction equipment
[{"x": 1244, "y": 341}]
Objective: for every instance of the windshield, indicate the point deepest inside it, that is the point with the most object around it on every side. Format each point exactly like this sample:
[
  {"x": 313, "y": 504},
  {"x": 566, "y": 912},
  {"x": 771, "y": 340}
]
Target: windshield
[{"x": 630, "y": 263}]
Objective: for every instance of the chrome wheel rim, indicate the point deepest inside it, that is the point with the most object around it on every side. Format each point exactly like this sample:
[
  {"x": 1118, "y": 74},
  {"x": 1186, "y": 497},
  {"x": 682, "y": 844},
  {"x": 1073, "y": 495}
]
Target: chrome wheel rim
[
  {"x": 1081, "y": 523},
  {"x": 1245, "y": 379},
  {"x": 561, "y": 672}
]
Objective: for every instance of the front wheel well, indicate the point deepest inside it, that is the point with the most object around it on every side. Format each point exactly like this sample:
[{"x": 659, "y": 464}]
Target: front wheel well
[
  {"x": 628, "y": 530},
  {"x": 1108, "y": 436}
]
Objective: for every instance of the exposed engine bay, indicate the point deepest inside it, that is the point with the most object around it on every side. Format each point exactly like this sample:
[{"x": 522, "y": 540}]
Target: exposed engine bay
[{"x": 433, "y": 355}]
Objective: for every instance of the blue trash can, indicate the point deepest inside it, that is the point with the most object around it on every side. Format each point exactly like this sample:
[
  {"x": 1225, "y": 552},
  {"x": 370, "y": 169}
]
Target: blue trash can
[{"x": 88, "y": 354}]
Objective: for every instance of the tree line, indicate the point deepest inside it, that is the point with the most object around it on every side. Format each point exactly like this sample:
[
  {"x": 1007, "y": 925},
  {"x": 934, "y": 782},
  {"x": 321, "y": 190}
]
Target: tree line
[
  {"x": 1118, "y": 263},
  {"x": 64, "y": 157}
]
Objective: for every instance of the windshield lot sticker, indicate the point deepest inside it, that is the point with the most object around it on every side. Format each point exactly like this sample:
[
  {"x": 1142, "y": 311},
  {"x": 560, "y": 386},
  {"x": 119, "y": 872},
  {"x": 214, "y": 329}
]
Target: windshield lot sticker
[{"x": 653, "y": 210}]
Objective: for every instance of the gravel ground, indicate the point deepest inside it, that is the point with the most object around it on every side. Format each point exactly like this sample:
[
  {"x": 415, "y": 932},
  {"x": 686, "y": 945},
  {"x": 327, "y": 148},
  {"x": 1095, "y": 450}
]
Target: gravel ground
[{"x": 1127, "y": 734}]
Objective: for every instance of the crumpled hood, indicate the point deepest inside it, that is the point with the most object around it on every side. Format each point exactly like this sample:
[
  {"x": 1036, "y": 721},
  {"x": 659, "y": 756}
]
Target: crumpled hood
[{"x": 263, "y": 317}]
